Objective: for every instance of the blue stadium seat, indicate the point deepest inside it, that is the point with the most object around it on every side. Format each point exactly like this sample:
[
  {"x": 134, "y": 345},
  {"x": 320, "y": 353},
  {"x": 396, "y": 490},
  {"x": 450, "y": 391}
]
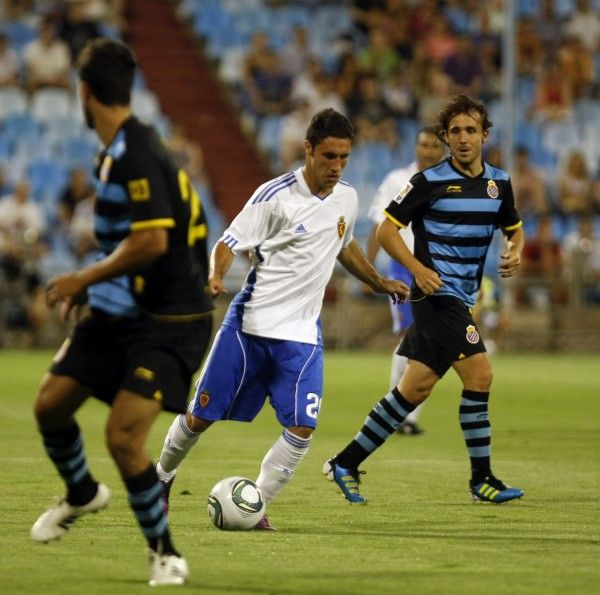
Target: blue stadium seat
[
  {"x": 12, "y": 101},
  {"x": 47, "y": 104},
  {"x": 47, "y": 177},
  {"x": 19, "y": 34}
]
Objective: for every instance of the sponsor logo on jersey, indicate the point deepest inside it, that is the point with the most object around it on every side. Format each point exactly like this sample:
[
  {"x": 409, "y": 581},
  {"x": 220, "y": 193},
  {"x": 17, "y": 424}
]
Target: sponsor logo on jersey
[
  {"x": 105, "y": 169},
  {"x": 139, "y": 190},
  {"x": 472, "y": 335},
  {"x": 300, "y": 229},
  {"x": 402, "y": 194},
  {"x": 144, "y": 373},
  {"x": 492, "y": 189},
  {"x": 203, "y": 399},
  {"x": 454, "y": 189},
  {"x": 341, "y": 226}
]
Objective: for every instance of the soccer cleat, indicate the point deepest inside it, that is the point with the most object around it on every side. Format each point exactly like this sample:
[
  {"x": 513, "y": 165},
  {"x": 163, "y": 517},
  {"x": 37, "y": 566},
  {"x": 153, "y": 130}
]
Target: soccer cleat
[
  {"x": 264, "y": 525},
  {"x": 493, "y": 490},
  {"x": 347, "y": 480},
  {"x": 409, "y": 428},
  {"x": 56, "y": 521},
  {"x": 167, "y": 569}
]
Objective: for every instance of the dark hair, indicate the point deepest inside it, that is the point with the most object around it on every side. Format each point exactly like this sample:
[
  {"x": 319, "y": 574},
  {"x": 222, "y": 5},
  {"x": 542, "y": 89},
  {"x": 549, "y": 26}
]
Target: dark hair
[
  {"x": 326, "y": 123},
  {"x": 107, "y": 66},
  {"x": 460, "y": 104},
  {"x": 425, "y": 130}
]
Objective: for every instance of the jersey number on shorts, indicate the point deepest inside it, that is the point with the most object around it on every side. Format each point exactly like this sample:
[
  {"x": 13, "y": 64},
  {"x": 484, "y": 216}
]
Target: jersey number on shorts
[
  {"x": 314, "y": 403},
  {"x": 196, "y": 231}
]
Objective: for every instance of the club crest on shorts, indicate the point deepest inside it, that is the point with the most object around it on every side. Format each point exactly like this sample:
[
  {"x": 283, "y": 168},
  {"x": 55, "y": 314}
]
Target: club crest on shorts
[
  {"x": 341, "y": 226},
  {"x": 492, "y": 189},
  {"x": 472, "y": 334},
  {"x": 203, "y": 399}
]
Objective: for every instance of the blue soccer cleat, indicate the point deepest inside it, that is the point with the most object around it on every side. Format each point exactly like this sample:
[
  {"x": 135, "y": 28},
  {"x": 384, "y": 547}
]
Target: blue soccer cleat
[
  {"x": 347, "y": 480},
  {"x": 493, "y": 490}
]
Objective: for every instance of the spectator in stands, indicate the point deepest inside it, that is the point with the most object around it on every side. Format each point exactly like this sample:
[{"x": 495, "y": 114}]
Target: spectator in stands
[
  {"x": 187, "y": 153},
  {"x": 21, "y": 246},
  {"x": 397, "y": 25},
  {"x": 528, "y": 186},
  {"x": 575, "y": 185},
  {"x": 304, "y": 85},
  {"x": 464, "y": 67},
  {"x": 440, "y": 41},
  {"x": 47, "y": 59},
  {"x": 541, "y": 268},
  {"x": 529, "y": 48},
  {"x": 399, "y": 94},
  {"x": 293, "y": 133},
  {"x": 347, "y": 76},
  {"x": 372, "y": 118},
  {"x": 548, "y": 26},
  {"x": 270, "y": 87},
  {"x": 81, "y": 232},
  {"x": 255, "y": 57},
  {"x": 325, "y": 95},
  {"x": 437, "y": 89},
  {"x": 584, "y": 23},
  {"x": 553, "y": 98},
  {"x": 78, "y": 188},
  {"x": 296, "y": 53},
  {"x": 581, "y": 248},
  {"x": 76, "y": 28},
  {"x": 577, "y": 63},
  {"x": 9, "y": 64},
  {"x": 379, "y": 56}
]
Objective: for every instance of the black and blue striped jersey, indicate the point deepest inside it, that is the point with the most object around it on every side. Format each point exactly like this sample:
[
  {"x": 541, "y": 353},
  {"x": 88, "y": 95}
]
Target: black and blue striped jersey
[
  {"x": 453, "y": 219},
  {"x": 138, "y": 187}
]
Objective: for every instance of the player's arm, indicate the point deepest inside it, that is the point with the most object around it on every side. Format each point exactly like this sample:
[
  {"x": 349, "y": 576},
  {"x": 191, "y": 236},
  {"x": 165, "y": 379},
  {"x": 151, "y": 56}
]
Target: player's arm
[
  {"x": 221, "y": 258},
  {"x": 354, "y": 261},
  {"x": 138, "y": 249},
  {"x": 511, "y": 257},
  {"x": 426, "y": 279}
]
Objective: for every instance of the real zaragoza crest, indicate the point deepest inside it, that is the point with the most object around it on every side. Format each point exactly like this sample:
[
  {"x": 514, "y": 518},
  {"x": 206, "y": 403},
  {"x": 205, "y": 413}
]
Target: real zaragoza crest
[{"x": 341, "y": 226}]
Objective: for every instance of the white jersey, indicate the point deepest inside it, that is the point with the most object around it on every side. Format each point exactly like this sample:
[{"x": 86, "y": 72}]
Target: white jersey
[
  {"x": 393, "y": 183},
  {"x": 294, "y": 238}
]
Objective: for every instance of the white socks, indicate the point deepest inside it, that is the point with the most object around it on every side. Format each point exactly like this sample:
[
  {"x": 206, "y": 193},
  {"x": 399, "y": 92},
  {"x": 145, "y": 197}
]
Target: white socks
[
  {"x": 178, "y": 442},
  {"x": 280, "y": 462}
]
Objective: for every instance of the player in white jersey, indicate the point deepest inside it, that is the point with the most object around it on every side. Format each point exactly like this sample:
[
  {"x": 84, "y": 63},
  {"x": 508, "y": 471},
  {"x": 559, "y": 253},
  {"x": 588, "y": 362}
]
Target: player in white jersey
[
  {"x": 429, "y": 150},
  {"x": 270, "y": 344}
]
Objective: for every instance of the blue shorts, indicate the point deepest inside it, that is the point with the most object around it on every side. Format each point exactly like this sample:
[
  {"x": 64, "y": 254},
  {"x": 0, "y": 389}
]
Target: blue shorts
[
  {"x": 243, "y": 370},
  {"x": 402, "y": 316}
]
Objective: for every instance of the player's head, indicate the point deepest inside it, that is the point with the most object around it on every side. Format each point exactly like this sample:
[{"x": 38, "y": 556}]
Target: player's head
[
  {"x": 327, "y": 148},
  {"x": 106, "y": 68},
  {"x": 463, "y": 125},
  {"x": 429, "y": 149}
]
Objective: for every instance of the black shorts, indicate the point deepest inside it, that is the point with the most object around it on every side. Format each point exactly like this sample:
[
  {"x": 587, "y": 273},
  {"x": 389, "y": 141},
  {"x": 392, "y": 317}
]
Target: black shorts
[
  {"x": 155, "y": 359},
  {"x": 443, "y": 332}
]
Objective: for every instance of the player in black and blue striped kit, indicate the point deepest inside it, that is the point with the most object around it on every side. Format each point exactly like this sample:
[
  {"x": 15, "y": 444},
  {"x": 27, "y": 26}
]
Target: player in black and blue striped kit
[{"x": 454, "y": 208}]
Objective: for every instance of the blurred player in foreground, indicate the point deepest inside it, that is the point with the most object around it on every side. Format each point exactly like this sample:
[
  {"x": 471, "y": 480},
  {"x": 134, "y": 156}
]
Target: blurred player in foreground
[
  {"x": 270, "y": 345},
  {"x": 454, "y": 209},
  {"x": 429, "y": 151},
  {"x": 149, "y": 321}
]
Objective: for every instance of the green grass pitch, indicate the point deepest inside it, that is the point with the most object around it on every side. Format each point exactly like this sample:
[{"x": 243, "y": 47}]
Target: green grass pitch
[{"x": 419, "y": 533}]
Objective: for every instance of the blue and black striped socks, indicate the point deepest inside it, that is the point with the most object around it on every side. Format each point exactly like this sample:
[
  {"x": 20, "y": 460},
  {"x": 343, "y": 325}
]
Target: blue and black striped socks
[{"x": 475, "y": 425}]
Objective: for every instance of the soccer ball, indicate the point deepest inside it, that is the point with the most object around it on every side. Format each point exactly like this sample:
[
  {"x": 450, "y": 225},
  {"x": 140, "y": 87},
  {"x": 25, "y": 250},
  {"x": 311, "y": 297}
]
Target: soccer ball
[{"x": 235, "y": 504}]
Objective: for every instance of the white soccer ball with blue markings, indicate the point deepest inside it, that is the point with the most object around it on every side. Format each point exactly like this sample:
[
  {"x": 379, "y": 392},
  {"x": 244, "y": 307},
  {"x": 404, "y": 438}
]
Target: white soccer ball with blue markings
[{"x": 236, "y": 504}]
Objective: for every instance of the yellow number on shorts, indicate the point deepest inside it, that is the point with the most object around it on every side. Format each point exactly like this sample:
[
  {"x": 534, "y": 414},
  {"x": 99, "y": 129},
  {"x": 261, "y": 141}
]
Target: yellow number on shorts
[{"x": 196, "y": 231}]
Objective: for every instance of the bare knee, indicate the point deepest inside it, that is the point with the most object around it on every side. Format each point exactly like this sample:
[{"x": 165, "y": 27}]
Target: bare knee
[
  {"x": 195, "y": 424},
  {"x": 301, "y": 431},
  {"x": 121, "y": 444},
  {"x": 56, "y": 401},
  {"x": 480, "y": 380}
]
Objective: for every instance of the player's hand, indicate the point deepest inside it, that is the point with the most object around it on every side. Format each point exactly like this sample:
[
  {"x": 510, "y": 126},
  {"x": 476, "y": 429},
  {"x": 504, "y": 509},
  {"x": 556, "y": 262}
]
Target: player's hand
[
  {"x": 428, "y": 281},
  {"x": 397, "y": 290},
  {"x": 509, "y": 263},
  {"x": 215, "y": 286},
  {"x": 61, "y": 287}
]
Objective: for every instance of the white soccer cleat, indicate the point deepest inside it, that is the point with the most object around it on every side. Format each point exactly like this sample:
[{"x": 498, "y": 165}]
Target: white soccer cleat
[
  {"x": 167, "y": 569},
  {"x": 56, "y": 521}
]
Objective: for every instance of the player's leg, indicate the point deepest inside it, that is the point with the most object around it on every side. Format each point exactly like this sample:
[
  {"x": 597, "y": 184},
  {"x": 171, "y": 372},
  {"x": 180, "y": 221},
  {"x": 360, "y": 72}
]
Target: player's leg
[
  {"x": 476, "y": 375},
  {"x": 57, "y": 400},
  {"x": 127, "y": 429},
  {"x": 227, "y": 389},
  {"x": 295, "y": 389},
  {"x": 382, "y": 421}
]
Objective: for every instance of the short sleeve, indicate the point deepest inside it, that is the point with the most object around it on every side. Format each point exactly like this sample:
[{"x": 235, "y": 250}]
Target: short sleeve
[
  {"x": 410, "y": 203},
  {"x": 508, "y": 217}
]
